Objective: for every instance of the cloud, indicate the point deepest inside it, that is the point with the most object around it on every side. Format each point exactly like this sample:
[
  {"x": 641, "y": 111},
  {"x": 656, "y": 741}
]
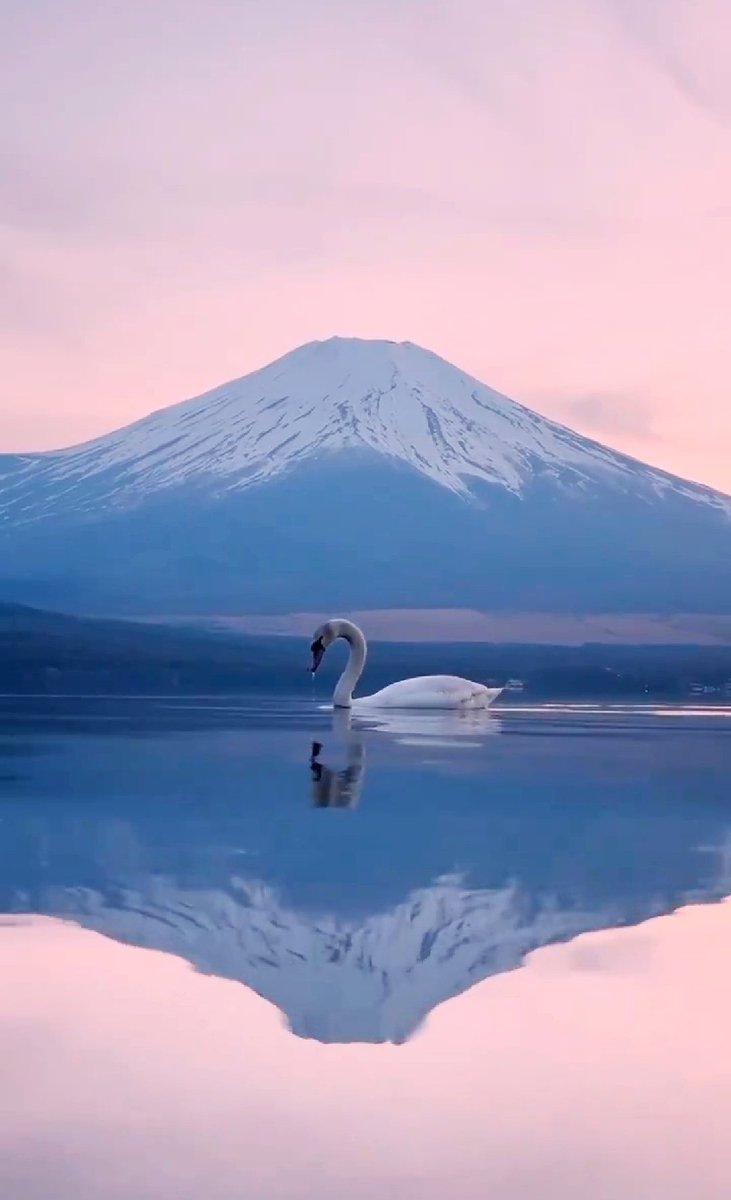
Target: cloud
[
  {"x": 32, "y": 304},
  {"x": 690, "y": 42},
  {"x": 611, "y": 414}
]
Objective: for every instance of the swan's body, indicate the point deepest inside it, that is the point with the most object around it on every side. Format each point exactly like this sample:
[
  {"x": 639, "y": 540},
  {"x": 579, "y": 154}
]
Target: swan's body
[
  {"x": 424, "y": 691},
  {"x": 430, "y": 691}
]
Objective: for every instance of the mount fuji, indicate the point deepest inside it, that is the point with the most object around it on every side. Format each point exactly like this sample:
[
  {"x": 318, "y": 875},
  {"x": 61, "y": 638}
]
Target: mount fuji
[
  {"x": 357, "y": 474},
  {"x": 373, "y": 974},
  {"x": 202, "y": 842}
]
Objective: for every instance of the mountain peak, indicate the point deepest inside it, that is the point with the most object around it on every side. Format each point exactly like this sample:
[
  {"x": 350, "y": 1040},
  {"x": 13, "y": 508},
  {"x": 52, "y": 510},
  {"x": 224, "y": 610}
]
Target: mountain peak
[
  {"x": 347, "y": 474},
  {"x": 393, "y": 399}
]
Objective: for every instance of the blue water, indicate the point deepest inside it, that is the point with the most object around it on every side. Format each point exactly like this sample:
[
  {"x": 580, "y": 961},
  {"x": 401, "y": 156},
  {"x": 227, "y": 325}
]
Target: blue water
[{"x": 367, "y": 898}]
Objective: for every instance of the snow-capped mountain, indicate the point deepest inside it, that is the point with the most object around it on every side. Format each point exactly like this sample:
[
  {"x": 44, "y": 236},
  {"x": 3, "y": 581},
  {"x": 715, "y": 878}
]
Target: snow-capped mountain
[
  {"x": 342, "y": 980},
  {"x": 356, "y": 924},
  {"x": 396, "y": 399},
  {"x": 350, "y": 467},
  {"x": 338, "y": 980}
]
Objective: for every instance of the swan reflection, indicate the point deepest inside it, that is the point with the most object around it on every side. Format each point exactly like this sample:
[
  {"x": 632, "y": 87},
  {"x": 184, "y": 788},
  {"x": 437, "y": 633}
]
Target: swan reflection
[
  {"x": 333, "y": 788},
  {"x": 342, "y": 787},
  {"x": 436, "y": 727}
]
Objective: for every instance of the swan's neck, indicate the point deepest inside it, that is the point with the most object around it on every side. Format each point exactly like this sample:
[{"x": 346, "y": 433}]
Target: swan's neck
[{"x": 343, "y": 694}]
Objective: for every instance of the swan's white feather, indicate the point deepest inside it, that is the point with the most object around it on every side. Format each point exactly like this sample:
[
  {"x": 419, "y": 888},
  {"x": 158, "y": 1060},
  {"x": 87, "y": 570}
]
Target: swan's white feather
[{"x": 430, "y": 691}]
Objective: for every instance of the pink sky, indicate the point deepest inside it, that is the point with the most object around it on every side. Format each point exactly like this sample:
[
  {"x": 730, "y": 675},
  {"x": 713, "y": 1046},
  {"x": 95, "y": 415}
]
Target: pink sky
[
  {"x": 541, "y": 193},
  {"x": 601, "y": 1069}
]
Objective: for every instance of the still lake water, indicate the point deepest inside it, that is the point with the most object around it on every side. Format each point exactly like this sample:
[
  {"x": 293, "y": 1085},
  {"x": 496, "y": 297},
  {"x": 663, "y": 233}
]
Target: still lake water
[{"x": 449, "y": 957}]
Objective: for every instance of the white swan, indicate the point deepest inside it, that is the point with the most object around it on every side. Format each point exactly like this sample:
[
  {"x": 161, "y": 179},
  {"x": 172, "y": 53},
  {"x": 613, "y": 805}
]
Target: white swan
[{"x": 424, "y": 691}]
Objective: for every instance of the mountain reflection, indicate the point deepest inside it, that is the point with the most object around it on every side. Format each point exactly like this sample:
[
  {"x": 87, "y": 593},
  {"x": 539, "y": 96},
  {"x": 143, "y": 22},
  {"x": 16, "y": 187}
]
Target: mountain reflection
[{"x": 452, "y": 868}]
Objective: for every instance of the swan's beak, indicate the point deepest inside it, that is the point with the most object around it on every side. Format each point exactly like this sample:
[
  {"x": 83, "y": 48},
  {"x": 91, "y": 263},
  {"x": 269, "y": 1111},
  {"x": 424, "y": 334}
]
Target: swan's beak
[{"x": 318, "y": 651}]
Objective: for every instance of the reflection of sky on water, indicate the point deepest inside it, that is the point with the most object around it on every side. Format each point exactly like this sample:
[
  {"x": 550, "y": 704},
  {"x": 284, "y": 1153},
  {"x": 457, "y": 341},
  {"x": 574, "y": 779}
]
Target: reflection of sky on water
[
  {"x": 600, "y": 1069},
  {"x": 463, "y": 842},
  {"x": 388, "y": 900}
]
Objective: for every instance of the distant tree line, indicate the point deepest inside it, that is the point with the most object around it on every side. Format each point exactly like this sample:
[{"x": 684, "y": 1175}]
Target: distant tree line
[{"x": 46, "y": 653}]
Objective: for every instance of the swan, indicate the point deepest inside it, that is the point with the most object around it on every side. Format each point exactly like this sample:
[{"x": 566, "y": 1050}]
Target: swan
[{"x": 424, "y": 691}]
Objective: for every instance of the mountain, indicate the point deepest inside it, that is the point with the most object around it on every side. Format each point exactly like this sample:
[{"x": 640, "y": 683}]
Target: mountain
[
  {"x": 338, "y": 975},
  {"x": 472, "y": 840},
  {"x": 335, "y": 980},
  {"x": 339, "y": 980},
  {"x": 355, "y": 474}
]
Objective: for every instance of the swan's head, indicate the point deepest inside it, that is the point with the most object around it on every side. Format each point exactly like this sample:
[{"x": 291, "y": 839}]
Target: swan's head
[{"x": 321, "y": 639}]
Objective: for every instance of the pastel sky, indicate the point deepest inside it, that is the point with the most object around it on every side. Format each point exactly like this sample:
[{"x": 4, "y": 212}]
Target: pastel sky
[
  {"x": 541, "y": 192},
  {"x": 600, "y": 1069}
]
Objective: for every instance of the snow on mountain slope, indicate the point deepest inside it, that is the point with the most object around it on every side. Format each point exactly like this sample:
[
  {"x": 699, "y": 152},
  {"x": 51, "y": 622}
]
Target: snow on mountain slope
[
  {"x": 337, "y": 980},
  {"x": 396, "y": 399}
]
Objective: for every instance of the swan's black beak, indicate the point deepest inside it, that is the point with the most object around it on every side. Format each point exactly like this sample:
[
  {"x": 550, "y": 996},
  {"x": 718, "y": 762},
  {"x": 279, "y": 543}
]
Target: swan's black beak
[{"x": 318, "y": 651}]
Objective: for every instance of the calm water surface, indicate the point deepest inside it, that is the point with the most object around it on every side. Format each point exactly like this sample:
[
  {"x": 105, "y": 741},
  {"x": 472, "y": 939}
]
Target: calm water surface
[{"x": 442, "y": 957}]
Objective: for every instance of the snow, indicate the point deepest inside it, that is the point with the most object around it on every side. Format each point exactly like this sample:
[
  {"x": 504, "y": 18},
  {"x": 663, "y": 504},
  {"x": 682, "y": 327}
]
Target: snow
[
  {"x": 394, "y": 398},
  {"x": 336, "y": 980}
]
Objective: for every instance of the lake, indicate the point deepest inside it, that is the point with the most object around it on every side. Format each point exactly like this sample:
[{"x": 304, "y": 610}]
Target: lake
[{"x": 253, "y": 948}]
